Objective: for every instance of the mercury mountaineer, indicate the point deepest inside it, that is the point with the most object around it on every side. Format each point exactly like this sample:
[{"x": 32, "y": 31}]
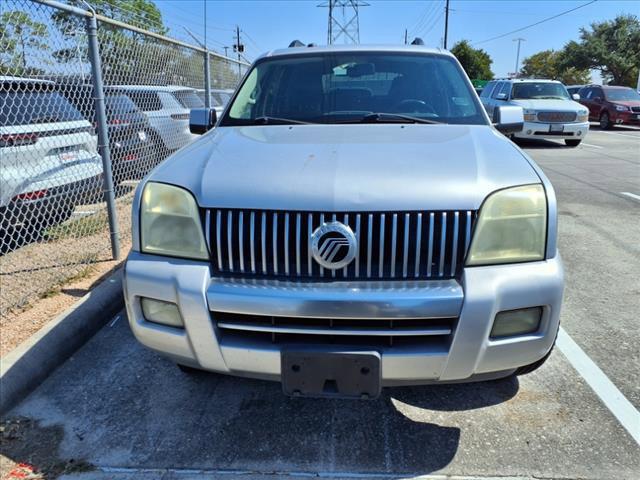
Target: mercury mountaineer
[{"x": 353, "y": 220}]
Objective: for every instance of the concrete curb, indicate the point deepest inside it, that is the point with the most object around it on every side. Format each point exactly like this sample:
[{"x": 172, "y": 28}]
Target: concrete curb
[{"x": 31, "y": 363}]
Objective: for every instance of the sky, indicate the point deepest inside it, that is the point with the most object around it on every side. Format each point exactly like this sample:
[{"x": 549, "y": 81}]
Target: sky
[{"x": 267, "y": 25}]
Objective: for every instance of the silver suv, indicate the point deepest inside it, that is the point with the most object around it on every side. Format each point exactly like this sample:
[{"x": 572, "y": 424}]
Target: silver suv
[
  {"x": 353, "y": 221},
  {"x": 550, "y": 112}
]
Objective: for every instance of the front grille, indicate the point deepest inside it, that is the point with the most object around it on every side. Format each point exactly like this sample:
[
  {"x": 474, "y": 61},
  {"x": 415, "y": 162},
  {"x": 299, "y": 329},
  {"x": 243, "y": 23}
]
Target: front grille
[
  {"x": 274, "y": 244},
  {"x": 554, "y": 117},
  {"x": 336, "y": 331},
  {"x": 635, "y": 109}
]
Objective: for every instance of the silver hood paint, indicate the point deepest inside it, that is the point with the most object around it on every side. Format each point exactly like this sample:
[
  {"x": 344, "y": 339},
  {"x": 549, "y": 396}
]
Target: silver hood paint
[
  {"x": 347, "y": 167},
  {"x": 549, "y": 105}
]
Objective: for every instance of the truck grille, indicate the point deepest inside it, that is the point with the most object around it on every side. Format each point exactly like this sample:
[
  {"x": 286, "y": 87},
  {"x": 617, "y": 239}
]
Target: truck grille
[
  {"x": 327, "y": 331},
  {"x": 635, "y": 109},
  {"x": 273, "y": 244},
  {"x": 553, "y": 117}
]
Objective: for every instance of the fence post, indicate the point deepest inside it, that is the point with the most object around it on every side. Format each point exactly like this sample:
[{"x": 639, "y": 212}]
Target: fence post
[
  {"x": 207, "y": 80},
  {"x": 103, "y": 138}
]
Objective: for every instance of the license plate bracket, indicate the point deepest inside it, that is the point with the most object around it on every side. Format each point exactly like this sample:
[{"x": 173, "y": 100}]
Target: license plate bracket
[
  {"x": 331, "y": 374},
  {"x": 556, "y": 128}
]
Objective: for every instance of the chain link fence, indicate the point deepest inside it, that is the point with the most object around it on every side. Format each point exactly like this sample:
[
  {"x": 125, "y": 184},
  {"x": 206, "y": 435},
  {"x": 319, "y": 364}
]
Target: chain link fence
[{"x": 59, "y": 137}]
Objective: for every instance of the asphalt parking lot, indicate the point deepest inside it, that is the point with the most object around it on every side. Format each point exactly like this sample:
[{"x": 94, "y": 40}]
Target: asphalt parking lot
[{"x": 122, "y": 412}]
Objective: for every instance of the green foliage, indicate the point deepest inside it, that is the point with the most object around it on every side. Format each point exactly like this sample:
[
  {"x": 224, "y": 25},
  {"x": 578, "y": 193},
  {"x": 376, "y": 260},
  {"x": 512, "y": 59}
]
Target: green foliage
[
  {"x": 613, "y": 47},
  {"x": 475, "y": 61},
  {"x": 20, "y": 38},
  {"x": 550, "y": 64}
]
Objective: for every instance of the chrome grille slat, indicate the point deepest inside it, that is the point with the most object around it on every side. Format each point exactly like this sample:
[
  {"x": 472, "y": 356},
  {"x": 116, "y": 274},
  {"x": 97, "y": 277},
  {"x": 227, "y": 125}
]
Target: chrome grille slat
[
  {"x": 241, "y": 239},
  {"x": 286, "y": 244},
  {"x": 390, "y": 245},
  {"x": 229, "y": 238},
  {"x": 252, "y": 235},
  {"x": 394, "y": 243}
]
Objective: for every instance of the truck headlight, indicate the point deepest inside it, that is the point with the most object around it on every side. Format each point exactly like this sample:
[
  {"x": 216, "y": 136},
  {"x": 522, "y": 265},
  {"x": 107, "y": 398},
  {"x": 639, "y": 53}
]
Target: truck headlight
[
  {"x": 511, "y": 227},
  {"x": 583, "y": 116},
  {"x": 170, "y": 223},
  {"x": 529, "y": 115},
  {"x": 622, "y": 108}
]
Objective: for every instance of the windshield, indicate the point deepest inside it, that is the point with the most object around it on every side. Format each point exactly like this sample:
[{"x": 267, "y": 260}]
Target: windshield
[
  {"x": 624, "y": 94},
  {"x": 353, "y": 87},
  {"x": 43, "y": 107},
  {"x": 539, "y": 91}
]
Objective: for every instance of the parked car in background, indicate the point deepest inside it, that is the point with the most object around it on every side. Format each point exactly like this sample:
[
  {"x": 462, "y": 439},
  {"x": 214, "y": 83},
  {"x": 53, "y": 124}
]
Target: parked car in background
[
  {"x": 167, "y": 108},
  {"x": 611, "y": 105},
  {"x": 549, "y": 111},
  {"x": 48, "y": 157},
  {"x": 216, "y": 101},
  {"x": 574, "y": 90},
  {"x": 132, "y": 142}
]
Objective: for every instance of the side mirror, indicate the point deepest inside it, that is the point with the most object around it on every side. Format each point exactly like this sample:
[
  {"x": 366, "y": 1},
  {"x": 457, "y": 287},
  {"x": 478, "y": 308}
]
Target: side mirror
[
  {"x": 508, "y": 119},
  {"x": 575, "y": 96},
  {"x": 501, "y": 96},
  {"x": 201, "y": 120}
]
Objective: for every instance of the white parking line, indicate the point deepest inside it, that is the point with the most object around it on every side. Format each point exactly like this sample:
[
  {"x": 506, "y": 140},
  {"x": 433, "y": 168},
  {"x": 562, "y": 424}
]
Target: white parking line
[
  {"x": 622, "y": 134},
  {"x": 614, "y": 400},
  {"x": 589, "y": 145},
  {"x": 631, "y": 195}
]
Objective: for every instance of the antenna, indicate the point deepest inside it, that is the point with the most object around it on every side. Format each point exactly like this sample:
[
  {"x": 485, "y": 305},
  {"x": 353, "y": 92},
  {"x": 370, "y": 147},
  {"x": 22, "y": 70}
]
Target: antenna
[{"x": 344, "y": 22}]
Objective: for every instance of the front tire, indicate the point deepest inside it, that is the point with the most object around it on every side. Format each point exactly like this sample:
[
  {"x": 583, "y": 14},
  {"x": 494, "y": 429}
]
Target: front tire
[
  {"x": 572, "y": 143},
  {"x": 605, "y": 121}
]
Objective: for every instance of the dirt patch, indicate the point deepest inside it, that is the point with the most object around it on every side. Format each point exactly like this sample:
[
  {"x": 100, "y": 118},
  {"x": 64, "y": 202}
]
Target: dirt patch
[
  {"x": 42, "y": 280},
  {"x": 30, "y": 451}
]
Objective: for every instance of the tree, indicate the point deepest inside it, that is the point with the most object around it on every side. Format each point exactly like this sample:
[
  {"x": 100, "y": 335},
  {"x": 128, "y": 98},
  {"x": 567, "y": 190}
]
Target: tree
[
  {"x": 613, "y": 47},
  {"x": 123, "y": 53},
  {"x": 20, "y": 37},
  {"x": 550, "y": 64},
  {"x": 475, "y": 61}
]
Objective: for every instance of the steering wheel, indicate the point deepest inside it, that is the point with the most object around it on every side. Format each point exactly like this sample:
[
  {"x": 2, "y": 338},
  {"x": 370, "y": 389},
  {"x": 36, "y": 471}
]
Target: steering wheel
[{"x": 413, "y": 105}]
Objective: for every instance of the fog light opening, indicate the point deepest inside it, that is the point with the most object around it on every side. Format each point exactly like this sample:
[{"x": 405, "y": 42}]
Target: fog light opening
[
  {"x": 511, "y": 323},
  {"x": 162, "y": 313},
  {"x": 529, "y": 132},
  {"x": 579, "y": 133}
]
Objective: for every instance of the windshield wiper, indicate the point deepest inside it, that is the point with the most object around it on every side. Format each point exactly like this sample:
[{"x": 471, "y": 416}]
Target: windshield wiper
[
  {"x": 278, "y": 121},
  {"x": 383, "y": 117}
]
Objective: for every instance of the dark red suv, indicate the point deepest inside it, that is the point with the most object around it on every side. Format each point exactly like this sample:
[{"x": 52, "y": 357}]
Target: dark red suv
[{"x": 611, "y": 105}]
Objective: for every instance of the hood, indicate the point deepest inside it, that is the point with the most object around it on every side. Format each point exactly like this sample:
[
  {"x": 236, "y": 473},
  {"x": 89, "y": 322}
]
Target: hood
[
  {"x": 347, "y": 167},
  {"x": 549, "y": 105}
]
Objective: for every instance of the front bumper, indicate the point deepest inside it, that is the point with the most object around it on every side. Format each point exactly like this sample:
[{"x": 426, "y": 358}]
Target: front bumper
[
  {"x": 469, "y": 353},
  {"x": 570, "y": 131},
  {"x": 626, "y": 118}
]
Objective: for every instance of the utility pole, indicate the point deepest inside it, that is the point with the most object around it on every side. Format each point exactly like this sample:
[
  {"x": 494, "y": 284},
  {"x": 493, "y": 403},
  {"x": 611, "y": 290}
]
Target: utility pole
[
  {"x": 519, "y": 40},
  {"x": 405, "y": 36},
  {"x": 238, "y": 47},
  {"x": 446, "y": 23}
]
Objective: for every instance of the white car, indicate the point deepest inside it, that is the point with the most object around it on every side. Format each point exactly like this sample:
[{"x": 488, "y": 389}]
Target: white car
[
  {"x": 167, "y": 108},
  {"x": 48, "y": 156},
  {"x": 219, "y": 99},
  {"x": 549, "y": 111}
]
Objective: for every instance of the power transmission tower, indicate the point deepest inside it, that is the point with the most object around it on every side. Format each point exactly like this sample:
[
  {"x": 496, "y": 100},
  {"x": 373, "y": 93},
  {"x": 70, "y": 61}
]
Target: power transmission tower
[{"x": 344, "y": 23}]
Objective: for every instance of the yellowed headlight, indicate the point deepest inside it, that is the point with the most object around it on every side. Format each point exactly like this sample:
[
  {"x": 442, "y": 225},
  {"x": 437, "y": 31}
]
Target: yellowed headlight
[
  {"x": 511, "y": 227},
  {"x": 170, "y": 223},
  {"x": 529, "y": 117}
]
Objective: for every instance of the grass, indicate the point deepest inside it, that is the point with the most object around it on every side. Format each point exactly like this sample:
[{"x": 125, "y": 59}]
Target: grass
[{"x": 78, "y": 228}]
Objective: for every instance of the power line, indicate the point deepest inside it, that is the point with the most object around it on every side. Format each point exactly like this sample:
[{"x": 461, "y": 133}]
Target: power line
[
  {"x": 428, "y": 22},
  {"x": 431, "y": 7},
  {"x": 537, "y": 23}
]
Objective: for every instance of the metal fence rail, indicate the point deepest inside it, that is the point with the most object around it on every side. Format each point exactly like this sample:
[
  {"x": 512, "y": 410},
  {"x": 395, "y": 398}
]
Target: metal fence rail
[{"x": 88, "y": 106}]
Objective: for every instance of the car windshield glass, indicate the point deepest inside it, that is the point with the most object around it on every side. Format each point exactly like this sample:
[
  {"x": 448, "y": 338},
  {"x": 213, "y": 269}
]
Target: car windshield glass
[
  {"x": 189, "y": 99},
  {"x": 624, "y": 94},
  {"x": 539, "y": 91},
  {"x": 22, "y": 108},
  {"x": 120, "y": 104},
  {"x": 348, "y": 87}
]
